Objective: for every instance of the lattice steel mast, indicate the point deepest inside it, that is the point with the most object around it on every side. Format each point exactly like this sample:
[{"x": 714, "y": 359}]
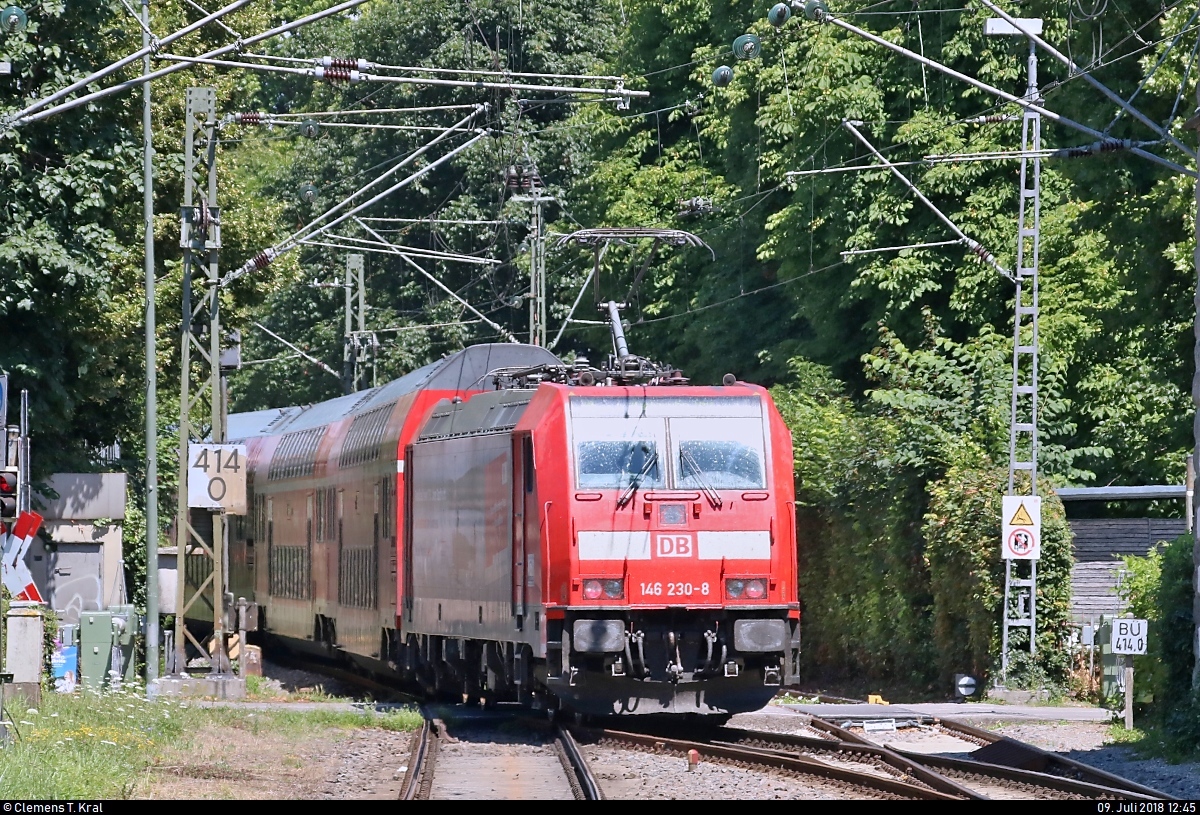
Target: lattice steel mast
[{"x": 1020, "y": 593}]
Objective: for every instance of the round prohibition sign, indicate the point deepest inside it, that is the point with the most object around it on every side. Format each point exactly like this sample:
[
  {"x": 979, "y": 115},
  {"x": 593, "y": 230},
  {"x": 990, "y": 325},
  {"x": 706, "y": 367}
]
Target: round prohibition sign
[
  {"x": 1021, "y": 542},
  {"x": 216, "y": 485}
]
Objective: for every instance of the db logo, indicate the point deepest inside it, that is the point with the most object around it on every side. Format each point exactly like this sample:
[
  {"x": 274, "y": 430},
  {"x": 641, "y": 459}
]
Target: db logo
[{"x": 674, "y": 546}]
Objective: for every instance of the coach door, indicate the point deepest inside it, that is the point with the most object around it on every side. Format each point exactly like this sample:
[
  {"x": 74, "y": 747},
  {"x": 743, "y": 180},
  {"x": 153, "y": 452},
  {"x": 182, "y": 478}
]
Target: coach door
[{"x": 524, "y": 513}]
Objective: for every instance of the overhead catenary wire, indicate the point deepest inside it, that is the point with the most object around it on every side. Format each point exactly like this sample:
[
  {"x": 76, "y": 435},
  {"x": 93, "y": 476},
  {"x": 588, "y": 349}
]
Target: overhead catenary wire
[
  {"x": 352, "y": 76},
  {"x": 417, "y": 327},
  {"x": 112, "y": 68},
  {"x": 501, "y": 72},
  {"x": 311, "y": 229},
  {"x": 738, "y": 296},
  {"x": 850, "y": 252},
  {"x": 972, "y": 244},
  {"x": 137, "y": 18},
  {"x": 476, "y": 222},
  {"x": 407, "y": 259},
  {"x": 1026, "y": 104},
  {"x": 1091, "y": 80},
  {"x": 269, "y": 120},
  {"x": 429, "y": 253},
  {"x": 363, "y": 111},
  {"x": 220, "y": 23},
  {"x": 307, "y": 356},
  {"x": 1161, "y": 59},
  {"x": 25, "y": 117}
]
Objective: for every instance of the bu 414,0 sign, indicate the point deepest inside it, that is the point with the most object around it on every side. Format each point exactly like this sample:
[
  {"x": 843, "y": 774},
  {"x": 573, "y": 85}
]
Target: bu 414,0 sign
[
  {"x": 1129, "y": 636},
  {"x": 217, "y": 477}
]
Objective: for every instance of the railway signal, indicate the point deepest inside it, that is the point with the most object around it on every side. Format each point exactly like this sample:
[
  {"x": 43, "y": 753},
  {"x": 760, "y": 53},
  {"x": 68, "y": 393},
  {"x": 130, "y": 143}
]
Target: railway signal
[{"x": 10, "y": 479}]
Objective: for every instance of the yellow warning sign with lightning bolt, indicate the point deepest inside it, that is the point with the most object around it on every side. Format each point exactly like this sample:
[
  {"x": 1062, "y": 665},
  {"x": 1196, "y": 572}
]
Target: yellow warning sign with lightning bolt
[{"x": 1021, "y": 517}]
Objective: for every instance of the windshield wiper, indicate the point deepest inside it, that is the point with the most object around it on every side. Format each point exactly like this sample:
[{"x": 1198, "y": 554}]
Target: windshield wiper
[
  {"x": 636, "y": 481},
  {"x": 698, "y": 474}
]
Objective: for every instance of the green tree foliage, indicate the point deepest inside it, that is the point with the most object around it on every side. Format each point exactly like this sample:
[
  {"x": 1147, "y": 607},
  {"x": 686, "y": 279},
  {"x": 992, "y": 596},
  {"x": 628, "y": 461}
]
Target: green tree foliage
[
  {"x": 66, "y": 265},
  {"x": 529, "y": 130},
  {"x": 1115, "y": 253},
  {"x": 1159, "y": 589},
  {"x": 962, "y": 550},
  {"x": 900, "y": 570},
  {"x": 892, "y": 368}
]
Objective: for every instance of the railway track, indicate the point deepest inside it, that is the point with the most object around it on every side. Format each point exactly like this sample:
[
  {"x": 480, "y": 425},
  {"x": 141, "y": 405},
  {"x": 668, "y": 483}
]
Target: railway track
[
  {"x": 852, "y": 777},
  {"x": 1009, "y": 764},
  {"x": 545, "y": 762},
  {"x": 960, "y": 778},
  {"x": 843, "y": 757}
]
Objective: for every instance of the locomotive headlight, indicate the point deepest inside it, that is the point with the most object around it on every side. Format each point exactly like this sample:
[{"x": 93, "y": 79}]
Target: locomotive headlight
[
  {"x": 746, "y": 589},
  {"x": 592, "y": 589},
  {"x": 614, "y": 589}
]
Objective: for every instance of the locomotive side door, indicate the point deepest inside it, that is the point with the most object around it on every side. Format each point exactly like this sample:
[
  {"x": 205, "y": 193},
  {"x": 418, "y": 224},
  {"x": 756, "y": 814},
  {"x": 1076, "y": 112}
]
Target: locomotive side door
[{"x": 524, "y": 510}]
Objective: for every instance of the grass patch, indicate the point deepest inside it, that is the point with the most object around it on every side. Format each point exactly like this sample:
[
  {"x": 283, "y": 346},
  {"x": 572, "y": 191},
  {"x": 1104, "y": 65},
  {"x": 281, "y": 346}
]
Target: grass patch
[
  {"x": 262, "y": 689},
  {"x": 1151, "y": 740},
  {"x": 791, "y": 698},
  {"x": 1117, "y": 734},
  {"x": 92, "y": 745}
]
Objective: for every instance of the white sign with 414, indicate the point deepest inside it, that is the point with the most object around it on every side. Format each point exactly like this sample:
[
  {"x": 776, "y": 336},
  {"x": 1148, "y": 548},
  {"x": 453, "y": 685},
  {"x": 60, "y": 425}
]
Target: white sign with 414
[{"x": 216, "y": 477}]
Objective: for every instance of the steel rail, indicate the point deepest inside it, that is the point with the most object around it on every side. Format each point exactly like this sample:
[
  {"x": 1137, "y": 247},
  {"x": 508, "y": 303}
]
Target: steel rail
[
  {"x": 417, "y": 757},
  {"x": 905, "y": 764},
  {"x": 1076, "y": 769},
  {"x": 981, "y": 769},
  {"x": 1067, "y": 768},
  {"x": 580, "y": 767},
  {"x": 926, "y": 768},
  {"x": 773, "y": 760}
]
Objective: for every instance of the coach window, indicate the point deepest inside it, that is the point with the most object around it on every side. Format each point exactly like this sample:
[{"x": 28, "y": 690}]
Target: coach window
[{"x": 720, "y": 453}]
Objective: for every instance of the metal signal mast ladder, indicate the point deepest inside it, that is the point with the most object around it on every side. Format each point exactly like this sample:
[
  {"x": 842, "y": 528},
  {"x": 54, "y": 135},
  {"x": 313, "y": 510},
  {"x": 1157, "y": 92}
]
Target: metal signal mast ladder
[{"x": 1020, "y": 593}]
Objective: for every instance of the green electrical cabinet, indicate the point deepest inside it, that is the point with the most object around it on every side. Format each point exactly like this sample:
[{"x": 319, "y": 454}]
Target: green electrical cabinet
[
  {"x": 95, "y": 647},
  {"x": 107, "y": 643}
]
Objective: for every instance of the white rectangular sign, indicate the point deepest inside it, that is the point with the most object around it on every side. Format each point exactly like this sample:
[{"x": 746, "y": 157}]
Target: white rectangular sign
[
  {"x": 1129, "y": 636},
  {"x": 216, "y": 477},
  {"x": 998, "y": 26},
  {"x": 1021, "y": 528}
]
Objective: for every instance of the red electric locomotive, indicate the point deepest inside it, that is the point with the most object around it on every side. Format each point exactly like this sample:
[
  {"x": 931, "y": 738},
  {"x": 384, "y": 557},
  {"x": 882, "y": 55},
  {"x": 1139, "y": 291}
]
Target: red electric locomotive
[{"x": 610, "y": 540}]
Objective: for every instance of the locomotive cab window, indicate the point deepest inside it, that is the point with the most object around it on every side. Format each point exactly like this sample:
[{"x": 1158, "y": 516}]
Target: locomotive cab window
[
  {"x": 724, "y": 454},
  {"x": 611, "y": 454},
  {"x": 617, "y": 464},
  {"x": 677, "y": 443}
]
